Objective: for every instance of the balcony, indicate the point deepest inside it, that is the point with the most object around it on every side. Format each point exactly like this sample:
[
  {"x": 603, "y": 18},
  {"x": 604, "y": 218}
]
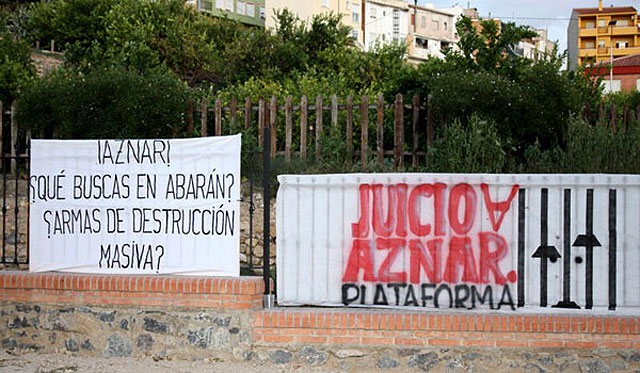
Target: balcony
[
  {"x": 626, "y": 30},
  {"x": 617, "y": 52},
  {"x": 603, "y": 30},
  {"x": 587, "y": 32},
  {"x": 587, "y": 52}
]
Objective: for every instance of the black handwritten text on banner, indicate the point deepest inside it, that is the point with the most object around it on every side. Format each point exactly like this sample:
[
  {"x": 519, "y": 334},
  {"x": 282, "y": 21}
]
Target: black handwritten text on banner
[{"x": 135, "y": 206}]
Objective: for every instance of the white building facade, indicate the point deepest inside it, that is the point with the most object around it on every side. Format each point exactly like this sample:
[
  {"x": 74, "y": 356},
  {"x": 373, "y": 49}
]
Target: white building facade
[{"x": 386, "y": 21}]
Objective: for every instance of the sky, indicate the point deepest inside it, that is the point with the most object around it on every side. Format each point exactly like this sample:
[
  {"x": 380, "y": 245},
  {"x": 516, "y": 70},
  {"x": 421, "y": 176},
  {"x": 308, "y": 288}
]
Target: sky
[{"x": 550, "y": 14}]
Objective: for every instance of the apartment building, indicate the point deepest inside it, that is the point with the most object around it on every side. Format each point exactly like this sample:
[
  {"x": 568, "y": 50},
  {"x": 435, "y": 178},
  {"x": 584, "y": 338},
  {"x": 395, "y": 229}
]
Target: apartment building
[
  {"x": 594, "y": 34},
  {"x": 538, "y": 47},
  {"x": 350, "y": 10},
  {"x": 431, "y": 31},
  {"x": 251, "y": 12},
  {"x": 385, "y": 21}
]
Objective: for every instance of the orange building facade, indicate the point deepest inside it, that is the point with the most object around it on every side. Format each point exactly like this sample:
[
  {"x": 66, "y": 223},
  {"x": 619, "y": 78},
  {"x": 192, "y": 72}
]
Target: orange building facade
[{"x": 594, "y": 34}]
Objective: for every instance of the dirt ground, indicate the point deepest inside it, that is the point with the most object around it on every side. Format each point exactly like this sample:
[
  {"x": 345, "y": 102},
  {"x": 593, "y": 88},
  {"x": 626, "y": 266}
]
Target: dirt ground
[{"x": 67, "y": 363}]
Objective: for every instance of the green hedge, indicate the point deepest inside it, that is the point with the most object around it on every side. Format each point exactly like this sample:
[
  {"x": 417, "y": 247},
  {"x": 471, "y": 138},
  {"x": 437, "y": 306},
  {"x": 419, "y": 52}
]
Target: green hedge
[{"x": 110, "y": 103}]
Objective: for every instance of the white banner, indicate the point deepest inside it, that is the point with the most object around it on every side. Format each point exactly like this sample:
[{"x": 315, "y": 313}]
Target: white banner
[
  {"x": 532, "y": 243},
  {"x": 168, "y": 206}
]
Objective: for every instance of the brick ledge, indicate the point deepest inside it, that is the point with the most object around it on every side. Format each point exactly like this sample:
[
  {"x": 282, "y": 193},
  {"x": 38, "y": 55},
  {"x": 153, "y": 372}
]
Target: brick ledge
[{"x": 156, "y": 290}]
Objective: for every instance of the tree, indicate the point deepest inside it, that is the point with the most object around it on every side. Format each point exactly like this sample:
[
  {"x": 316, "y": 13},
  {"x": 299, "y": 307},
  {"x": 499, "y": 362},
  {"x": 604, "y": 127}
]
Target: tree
[{"x": 16, "y": 69}]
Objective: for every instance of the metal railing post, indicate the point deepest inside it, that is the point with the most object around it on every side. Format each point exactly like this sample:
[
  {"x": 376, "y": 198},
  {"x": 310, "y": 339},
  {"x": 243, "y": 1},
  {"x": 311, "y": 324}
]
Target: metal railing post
[{"x": 268, "y": 299}]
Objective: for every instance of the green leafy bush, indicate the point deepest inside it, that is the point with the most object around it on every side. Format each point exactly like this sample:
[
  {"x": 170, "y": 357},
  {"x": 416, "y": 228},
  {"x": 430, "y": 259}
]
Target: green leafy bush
[{"x": 109, "y": 103}]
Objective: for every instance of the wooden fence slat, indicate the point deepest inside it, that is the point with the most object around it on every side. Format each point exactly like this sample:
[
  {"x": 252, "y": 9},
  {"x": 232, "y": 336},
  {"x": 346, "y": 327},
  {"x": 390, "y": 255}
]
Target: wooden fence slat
[
  {"x": 247, "y": 113},
  {"x": 380, "y": 130},
  {"x": 273, "y": 113},
  {"x": 318, "y": 125},
  {"x": 14, "y": 138},
  {"x": 189, "y": 118},
  {"x": 350, "y": 127},
  {"x": 626, "y": 118},
  {"x": 261, "y": 120},
  {"x": 287, "y": 129},
  {"x": 218, "y": 117},
  {"x": 303, "y": 127},
  {"x": 233, "y": 109},
  {"x": 334, "y": 113},
  {"x": 364, "y": 129},
  {"x": 398, "y": 133},
  {"x": 614, "y": 115},
  {"x": 1, "y": 128},
  {"x": 204, "y": 111},
  {"x": 416, "y": 115},
  {"x": 601, "y": 113}
]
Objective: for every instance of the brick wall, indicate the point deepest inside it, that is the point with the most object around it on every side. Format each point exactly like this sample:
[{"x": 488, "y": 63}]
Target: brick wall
[
  {"x": 126, "y": 290},
  {"x": 398, "y": 328}
]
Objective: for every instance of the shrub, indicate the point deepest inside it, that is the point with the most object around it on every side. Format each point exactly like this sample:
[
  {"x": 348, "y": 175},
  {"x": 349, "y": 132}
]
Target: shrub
[{"x": 108, "y": 103}]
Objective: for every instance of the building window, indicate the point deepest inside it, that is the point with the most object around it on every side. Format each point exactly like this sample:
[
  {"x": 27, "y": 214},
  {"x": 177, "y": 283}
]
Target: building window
[
  {"x": 240, "y": 7},
  {"x": 589, "y": 45},
  {"x": 589, "y": 25},
  {"x": 373, "y": 12},
  {"x": 229, "y": 5},
  {"x": 423, "y": 21},
  {"x": 610, "y": 86},
  {"x": 325, "y": 3},
  {"x": 206, "y": 5},
  {"x": 354, "y": 34},
  {"x": 263, "y": 13},
  {"x": 435, "y": 25},
  {"x": 355, "y": 13},
  {"x": 638, "y": 84},
  {"x": 219, "y": 4},
  {"x": 601, "y": 44},
  {"x": 445, "y": 26},
  {"x": 601, "y": 23},
  {"x": 251, "y": 10}
]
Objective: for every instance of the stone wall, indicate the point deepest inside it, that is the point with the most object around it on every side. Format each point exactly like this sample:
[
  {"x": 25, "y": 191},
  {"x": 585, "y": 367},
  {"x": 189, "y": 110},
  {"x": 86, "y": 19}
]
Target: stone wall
[
  {"x": 125, "y": 331},
  {"x": 196, "y": 318}
]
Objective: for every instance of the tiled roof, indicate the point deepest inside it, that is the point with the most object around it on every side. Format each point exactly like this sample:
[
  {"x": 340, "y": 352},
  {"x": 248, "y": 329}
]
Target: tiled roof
[
  {"x": 632, "y": 60},
  {"x": 619, "y": 9}
]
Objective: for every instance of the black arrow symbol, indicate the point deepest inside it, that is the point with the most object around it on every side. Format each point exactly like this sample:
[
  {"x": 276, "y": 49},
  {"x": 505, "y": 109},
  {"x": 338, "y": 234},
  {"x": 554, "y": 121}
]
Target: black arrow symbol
[
  {"x": 544, "y": 251},
  {"x": 566, "y": 301},
  {"x": 589, "y": 241}
]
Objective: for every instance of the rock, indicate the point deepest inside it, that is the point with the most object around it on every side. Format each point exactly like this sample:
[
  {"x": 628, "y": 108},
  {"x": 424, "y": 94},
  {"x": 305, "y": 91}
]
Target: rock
[
  {"x": 280, "y": 356},
  {"x": 117, "y": 346},
  {"x": 124, "y": 324},
  {"x": 209, "y": 337},
  {"x": 454, "y": 364},
  {"x": 404, "y": 352},
  {"x": 618, "y": 364},
  {"x": 71, "y": 345},
  {"x": 107, "y": 316},
  {"x": 471, "y": 356},
  {"x": 547, "y": 360},
  {"x": 312, "y": 356},
  {"x": 386, "y": 362},
  {"x": 594, "y": 366},
  {"x": 533, "y": 368},
  {"x": 424, "y": 361},
  {"x": 343, "y": 354},
  {"x": 154, "y": 326},
  {"x": 144, "y": 342},
  {"x": 86, "y": 345},
  {"x": 19, "y": 322},
  {"x": 9, "y": 343}
]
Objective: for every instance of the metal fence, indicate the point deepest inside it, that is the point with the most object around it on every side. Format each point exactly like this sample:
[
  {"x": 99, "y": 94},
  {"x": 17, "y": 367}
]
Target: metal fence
[{"x": 15, "y": 190}]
